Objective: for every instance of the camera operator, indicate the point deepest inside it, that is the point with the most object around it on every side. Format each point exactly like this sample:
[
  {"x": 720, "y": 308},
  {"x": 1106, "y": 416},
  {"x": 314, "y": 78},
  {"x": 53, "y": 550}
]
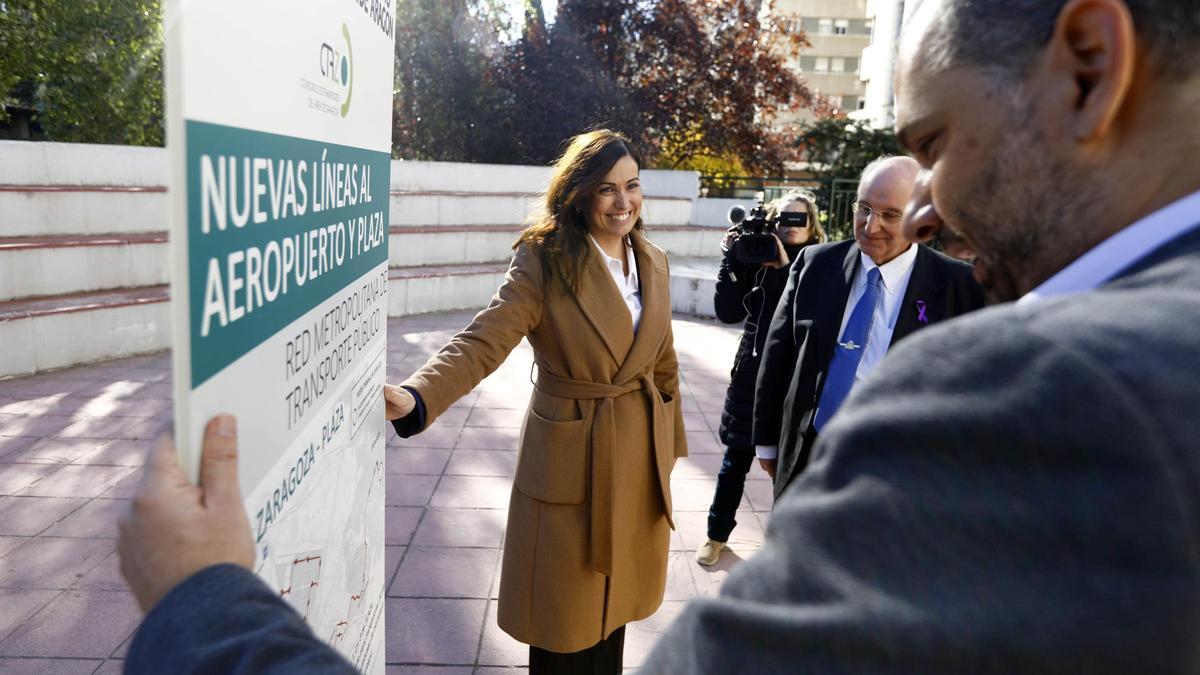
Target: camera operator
[{"x": 749, "y": 291}]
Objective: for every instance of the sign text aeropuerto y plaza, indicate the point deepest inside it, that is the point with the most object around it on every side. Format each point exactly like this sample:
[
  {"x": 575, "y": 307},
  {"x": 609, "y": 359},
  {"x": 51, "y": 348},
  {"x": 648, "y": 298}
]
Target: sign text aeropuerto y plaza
[{"x": 274, "y": 217}]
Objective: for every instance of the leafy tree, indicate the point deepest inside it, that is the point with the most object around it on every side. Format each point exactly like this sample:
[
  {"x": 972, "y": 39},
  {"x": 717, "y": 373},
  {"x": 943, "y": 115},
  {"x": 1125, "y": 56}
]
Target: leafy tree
[
  {"x": 445, "y": 101},
  {"x": 696, "y": 83},
  {"x": 838, "y": 149},
  {"x": 712, "y": 78},
  {"x": 91, "y": 69},
  {"x": 560, "y": 80}
]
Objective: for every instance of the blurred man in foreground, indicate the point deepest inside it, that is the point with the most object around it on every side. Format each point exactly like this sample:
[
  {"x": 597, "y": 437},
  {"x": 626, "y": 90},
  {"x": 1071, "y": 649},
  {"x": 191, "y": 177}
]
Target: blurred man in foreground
[{"x": 1016, "y": 490}]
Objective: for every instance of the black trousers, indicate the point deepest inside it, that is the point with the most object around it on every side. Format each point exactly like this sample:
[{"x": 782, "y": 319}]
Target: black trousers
[
  {"x": 603, "y": 658},
  {"x": 731, "y": 483}
]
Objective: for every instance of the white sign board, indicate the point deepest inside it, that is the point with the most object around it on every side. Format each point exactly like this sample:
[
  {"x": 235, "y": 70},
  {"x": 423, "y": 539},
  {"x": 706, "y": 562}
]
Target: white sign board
[{"x": 279, "y": 137}]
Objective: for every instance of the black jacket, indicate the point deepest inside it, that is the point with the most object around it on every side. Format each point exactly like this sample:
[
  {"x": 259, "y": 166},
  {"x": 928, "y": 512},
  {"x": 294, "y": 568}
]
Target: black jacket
[
  {"x": 804, "y": 331},
  {"x": 746, "y": 293}
]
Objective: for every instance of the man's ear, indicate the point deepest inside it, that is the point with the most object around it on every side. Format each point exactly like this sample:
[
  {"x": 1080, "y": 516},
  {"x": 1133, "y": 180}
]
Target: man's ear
[{"x": 1094, "y": 43}]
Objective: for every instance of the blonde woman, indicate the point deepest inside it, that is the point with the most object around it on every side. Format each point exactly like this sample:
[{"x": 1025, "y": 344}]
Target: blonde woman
[{"x": 749, "y": 293}]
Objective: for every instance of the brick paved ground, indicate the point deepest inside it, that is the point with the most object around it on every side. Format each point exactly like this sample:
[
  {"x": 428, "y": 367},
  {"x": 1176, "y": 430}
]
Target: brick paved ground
[{"x": 72, "y": 442}]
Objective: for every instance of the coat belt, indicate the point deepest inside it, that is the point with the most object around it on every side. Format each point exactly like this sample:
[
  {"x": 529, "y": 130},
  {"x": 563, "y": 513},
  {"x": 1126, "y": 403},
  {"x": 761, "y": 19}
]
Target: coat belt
[{"x": 601, "y": 422}]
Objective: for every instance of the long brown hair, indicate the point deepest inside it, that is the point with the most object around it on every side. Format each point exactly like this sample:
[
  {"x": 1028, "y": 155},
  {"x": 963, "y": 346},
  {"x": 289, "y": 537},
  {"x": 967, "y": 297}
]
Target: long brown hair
[{"x": 559, "y": 228}]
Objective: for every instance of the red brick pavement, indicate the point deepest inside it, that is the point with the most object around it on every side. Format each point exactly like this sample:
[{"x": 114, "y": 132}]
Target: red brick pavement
[{"x": 72, "y": 443}]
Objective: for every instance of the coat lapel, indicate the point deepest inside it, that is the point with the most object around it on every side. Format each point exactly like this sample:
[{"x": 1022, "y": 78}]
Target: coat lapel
[
  {"x": 829, "y": 323},
  {"x": 921, "y": 305},
  {"x": 604, "y": 307},
  {"x": 656, "y": 310}
]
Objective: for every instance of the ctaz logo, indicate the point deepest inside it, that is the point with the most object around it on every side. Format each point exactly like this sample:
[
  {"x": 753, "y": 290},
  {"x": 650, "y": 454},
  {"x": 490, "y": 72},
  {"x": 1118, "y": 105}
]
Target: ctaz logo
[{"x": 338, "y": 68}]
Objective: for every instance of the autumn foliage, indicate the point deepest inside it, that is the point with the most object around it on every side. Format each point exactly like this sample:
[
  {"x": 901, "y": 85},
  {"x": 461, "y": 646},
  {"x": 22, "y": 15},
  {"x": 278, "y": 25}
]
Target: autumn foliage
[{"x": 694, "y": 82}]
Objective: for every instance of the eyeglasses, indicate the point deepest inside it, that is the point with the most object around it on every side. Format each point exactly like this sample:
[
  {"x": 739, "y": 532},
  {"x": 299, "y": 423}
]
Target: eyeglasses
[{"x": 889, "y": 217}]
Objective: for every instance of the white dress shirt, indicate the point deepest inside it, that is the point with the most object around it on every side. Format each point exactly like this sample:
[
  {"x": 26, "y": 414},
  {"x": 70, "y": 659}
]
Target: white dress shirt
[
  {"x": 893, "y": 276},
  {"x": 1113, "y": 255},
  {"x": 628, "y": 285}
]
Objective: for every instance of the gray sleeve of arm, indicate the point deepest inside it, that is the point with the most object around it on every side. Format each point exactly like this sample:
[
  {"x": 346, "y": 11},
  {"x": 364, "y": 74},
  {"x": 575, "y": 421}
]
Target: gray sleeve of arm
[
  {"x": 224, "y": 619},
  {"x": 974, "y": 509}
]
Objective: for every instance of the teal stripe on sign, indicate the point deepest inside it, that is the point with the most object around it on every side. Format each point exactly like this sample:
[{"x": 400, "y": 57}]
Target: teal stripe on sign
[{"x": 225, "y": 344}]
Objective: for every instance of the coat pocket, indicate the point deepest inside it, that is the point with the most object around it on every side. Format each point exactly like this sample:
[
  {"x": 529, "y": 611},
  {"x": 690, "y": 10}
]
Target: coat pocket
[
  {"x": 552, "y": 466},
  {"x": 669, "y": 404}
]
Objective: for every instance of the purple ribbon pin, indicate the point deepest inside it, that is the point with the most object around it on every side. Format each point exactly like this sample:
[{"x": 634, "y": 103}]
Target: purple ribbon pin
[{"x": 921, "y": 316}]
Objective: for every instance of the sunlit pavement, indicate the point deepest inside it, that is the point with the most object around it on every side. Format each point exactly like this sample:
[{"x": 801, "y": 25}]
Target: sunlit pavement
[{"x": 72, "y": 442}]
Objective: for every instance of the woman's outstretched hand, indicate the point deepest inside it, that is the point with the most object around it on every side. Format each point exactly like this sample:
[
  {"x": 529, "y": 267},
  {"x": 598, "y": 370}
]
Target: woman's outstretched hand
[{"x": 400, "y": 401}]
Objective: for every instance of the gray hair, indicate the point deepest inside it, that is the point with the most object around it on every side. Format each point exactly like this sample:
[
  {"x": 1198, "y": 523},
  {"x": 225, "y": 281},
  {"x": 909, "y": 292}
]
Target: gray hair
[{"x": 1006, "y": 35}]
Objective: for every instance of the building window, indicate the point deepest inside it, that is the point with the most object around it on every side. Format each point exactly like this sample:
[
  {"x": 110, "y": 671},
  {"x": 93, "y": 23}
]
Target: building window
[
  {"x": 821, "y": 65},
  {"x": 825, "y": 27},
  {"x": 841, "y": 27},
  {"x": 862, "y": 103},
  {"x": 837, "y": 65}
]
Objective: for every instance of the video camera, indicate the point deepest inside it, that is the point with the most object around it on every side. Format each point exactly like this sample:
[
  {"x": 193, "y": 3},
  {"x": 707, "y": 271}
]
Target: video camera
[{"x": 755, "y": 243}]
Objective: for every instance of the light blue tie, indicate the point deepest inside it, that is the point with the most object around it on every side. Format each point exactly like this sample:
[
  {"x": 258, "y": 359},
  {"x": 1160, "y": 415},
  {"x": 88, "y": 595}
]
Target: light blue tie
[{"x": 848, "y": 353}]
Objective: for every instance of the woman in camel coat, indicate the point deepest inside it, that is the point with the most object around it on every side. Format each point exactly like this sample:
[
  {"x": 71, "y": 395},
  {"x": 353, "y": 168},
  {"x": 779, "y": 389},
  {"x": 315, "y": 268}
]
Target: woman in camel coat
[{"x": 590, "y": 513}]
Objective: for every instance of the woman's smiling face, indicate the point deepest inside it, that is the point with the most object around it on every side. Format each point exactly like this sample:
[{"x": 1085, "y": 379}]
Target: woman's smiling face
[{"x": 616, "y": 204}]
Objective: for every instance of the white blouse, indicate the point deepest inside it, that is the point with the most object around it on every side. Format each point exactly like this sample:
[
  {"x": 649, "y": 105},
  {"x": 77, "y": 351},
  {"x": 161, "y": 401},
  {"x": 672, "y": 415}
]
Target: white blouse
[{"x": 628, "y": 285}]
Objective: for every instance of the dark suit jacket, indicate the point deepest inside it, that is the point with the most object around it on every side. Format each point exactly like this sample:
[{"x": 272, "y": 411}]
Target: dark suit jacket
[
  {"x": 804, "y": 332},
  {"x": 1015, "y": 491},
  {"x": 224, "y": 619}
]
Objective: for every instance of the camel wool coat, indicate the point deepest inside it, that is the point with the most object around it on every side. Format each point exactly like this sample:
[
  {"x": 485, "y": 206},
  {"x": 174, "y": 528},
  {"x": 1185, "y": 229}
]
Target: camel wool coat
[{"x": 590, "y": 513}]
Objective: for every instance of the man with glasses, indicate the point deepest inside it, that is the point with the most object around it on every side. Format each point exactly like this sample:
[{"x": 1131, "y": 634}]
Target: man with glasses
[{"x": 844, "y": 306}]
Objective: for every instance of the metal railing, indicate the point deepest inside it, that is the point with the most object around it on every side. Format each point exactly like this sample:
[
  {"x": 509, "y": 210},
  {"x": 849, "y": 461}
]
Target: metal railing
[
  {"x": 746, "y": 187},
  {"x": 839, "y": 209}
]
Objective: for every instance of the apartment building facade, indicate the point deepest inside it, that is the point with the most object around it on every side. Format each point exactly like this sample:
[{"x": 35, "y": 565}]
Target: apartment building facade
[{"x": 839, "y": 31}]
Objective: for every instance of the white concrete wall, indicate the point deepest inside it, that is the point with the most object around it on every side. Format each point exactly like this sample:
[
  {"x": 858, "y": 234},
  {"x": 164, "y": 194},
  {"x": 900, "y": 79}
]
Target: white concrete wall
[
  {"x": 459, "y": 176},
  {"x": 60, "y": 340},
  {"x": 504, "y": 208},
  {"x": 38, "y": 214},
  {"x": 690, "y": 243},
  {"x": 715, "y": 212},
  {"x": 672, "y": 211},
  {"x": 424, "y": 209},
  {"x": 443, "y": 193},
  {"x": 424, "y": 195},
  {"x": 35, "y": 163},
  {"x": 28, "y": 273},
  {"x": 81, "y": 164},
  {"x": 693, "y": 284},
  {"x": 422, "y": 247},
  {"x": 680, "y": 184},
  {"x": 421, "y": 295}
]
